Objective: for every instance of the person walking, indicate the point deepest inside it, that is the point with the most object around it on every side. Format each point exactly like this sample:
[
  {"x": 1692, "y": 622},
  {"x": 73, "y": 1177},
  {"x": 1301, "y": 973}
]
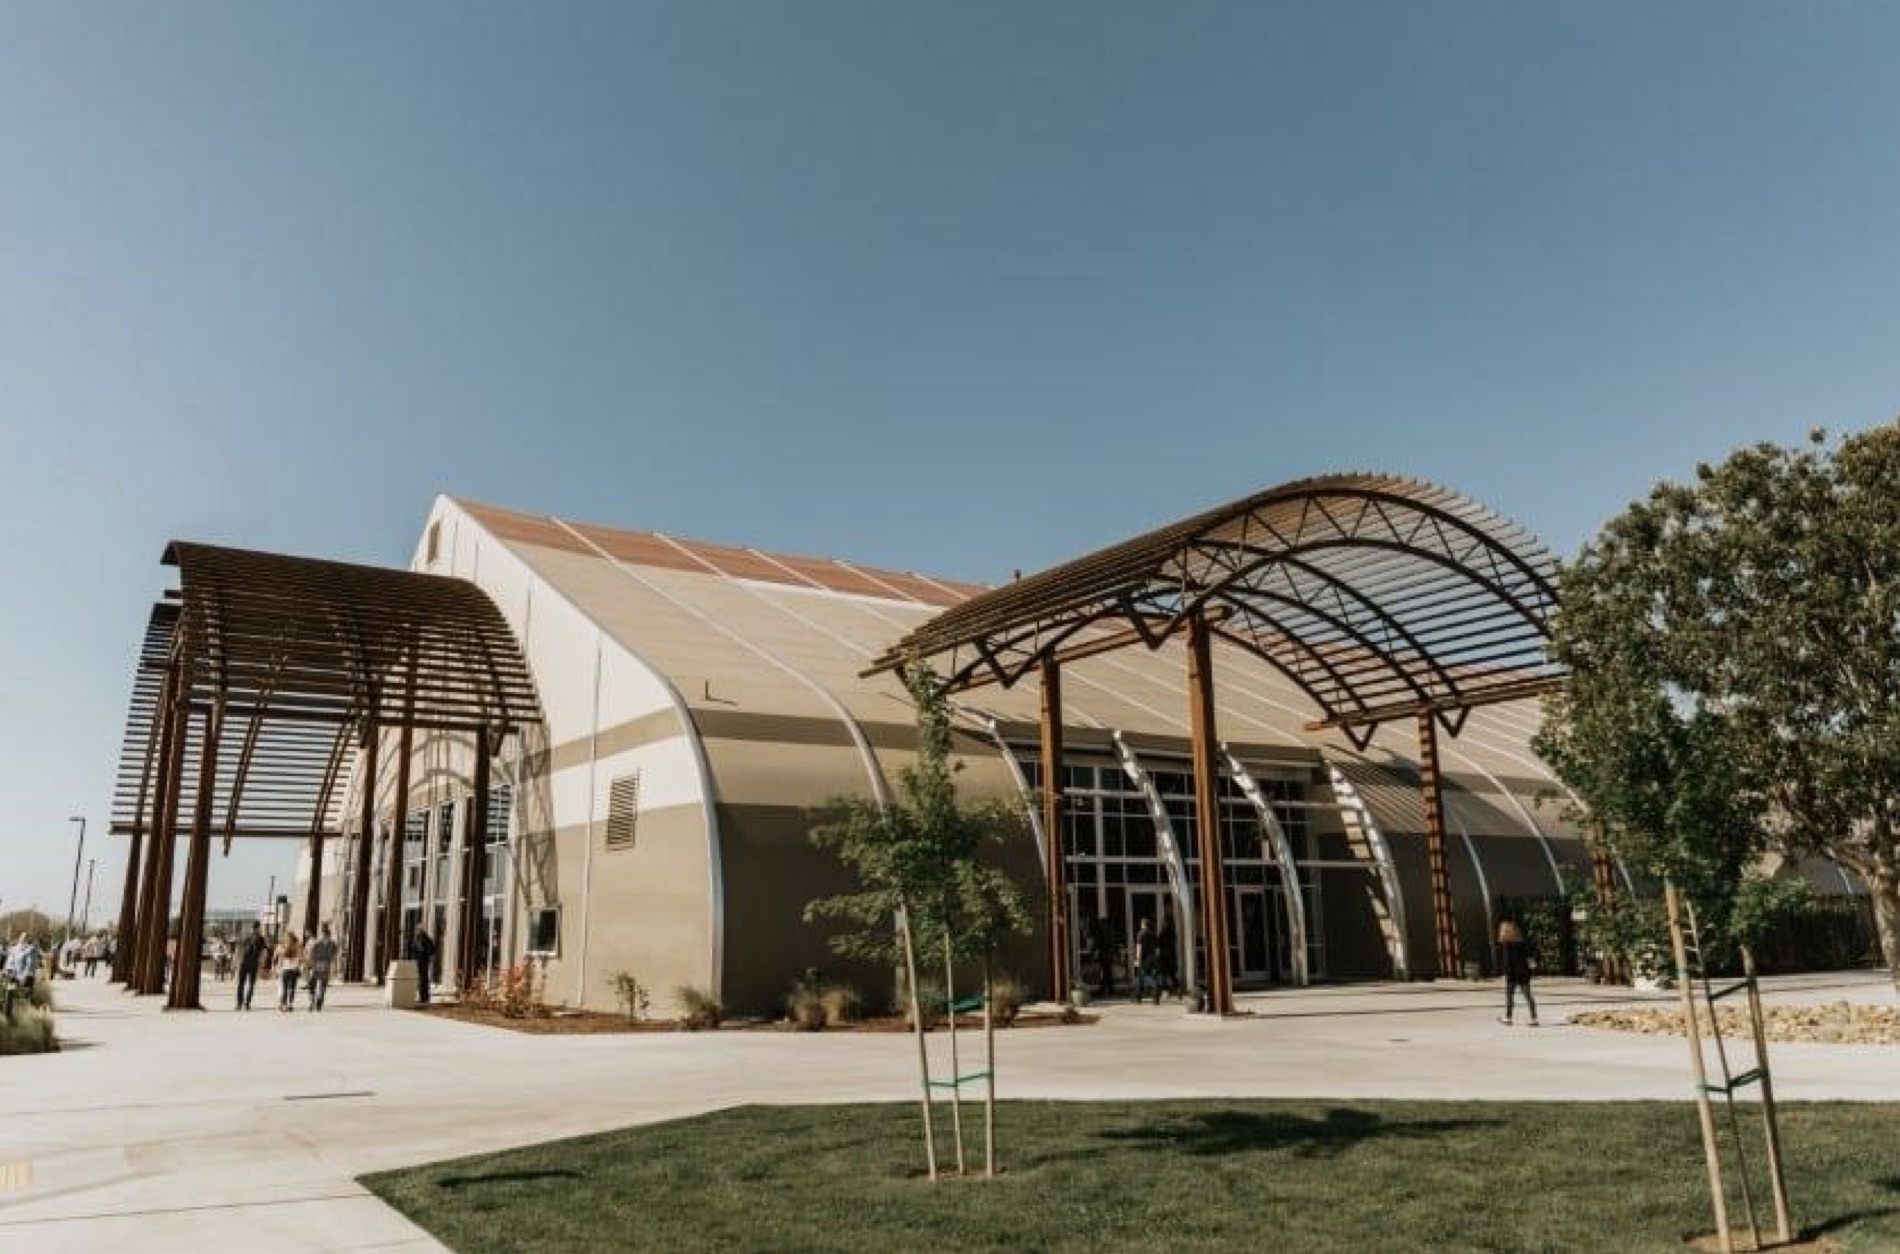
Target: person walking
[
  {"x": 1169, "y": 960},
  {"x": 23, "y": 960},
  {"x": 422, "y": 952},
  {"x": 289, "y": 966},
  {"x": 91, "y": 952},
  {"x": 250, "y": 957},
  {"x": 1514, "y": 952},
  {"x": 320, "y": 956},
  {"x": 22, "y": 966},
  {"x": 1147, "y": 956}
]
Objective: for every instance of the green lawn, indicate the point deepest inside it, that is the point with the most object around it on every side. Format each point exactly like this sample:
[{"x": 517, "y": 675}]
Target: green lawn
[{"x": 1094, "y": 1178}]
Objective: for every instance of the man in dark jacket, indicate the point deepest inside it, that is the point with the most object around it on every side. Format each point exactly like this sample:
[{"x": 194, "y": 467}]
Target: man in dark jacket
[
  {"x": 251, "y": 953},
  {"x": 422, "y": 951}
]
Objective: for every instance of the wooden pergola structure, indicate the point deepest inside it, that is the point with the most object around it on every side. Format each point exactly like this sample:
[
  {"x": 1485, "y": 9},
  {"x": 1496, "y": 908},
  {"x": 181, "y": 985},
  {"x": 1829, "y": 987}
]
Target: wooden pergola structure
[
  {"x": 260, "y": 677},
  {"x": 1382, "y": 598}
]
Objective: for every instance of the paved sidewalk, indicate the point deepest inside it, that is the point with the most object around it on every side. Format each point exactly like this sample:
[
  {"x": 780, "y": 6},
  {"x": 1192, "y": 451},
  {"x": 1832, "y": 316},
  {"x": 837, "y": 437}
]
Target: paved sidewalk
[{"x": 202, "y": 1133}]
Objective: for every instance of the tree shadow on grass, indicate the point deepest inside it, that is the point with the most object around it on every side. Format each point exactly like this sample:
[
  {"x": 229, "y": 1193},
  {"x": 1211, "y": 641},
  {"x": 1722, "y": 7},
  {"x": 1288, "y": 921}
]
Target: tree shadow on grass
[
  {"x": 1215, "y": 1133},
  {"x": 506, "y": 1177}
]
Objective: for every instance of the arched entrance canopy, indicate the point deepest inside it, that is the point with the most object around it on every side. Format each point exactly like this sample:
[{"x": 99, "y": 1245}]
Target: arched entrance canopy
[
  {"x": 1380, "y": 597},
  {"x": 1377, "y": 595},
  {"x": 258, "y": 678}
]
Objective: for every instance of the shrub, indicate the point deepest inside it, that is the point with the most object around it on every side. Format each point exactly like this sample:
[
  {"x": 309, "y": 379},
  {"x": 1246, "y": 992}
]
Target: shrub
[
  {"x": 699, "y": 1009},
  {"x": 28, "y": 1031},
  {"x": 42, "y": 993},
  {"x": 805, "y": 1007},
  {"x": 514, "y": 993},
  {"x": 841, "y": 1005},
  {"x": 633, "y": 995},
  {"x": 1007, "y": 996}
]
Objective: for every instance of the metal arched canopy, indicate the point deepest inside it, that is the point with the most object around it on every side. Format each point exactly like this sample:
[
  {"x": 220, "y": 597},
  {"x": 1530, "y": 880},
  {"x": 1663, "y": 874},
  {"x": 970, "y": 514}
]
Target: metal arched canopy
[
  {"x": 1379, "y": 596},
  {"x": 292, "y": 659}
]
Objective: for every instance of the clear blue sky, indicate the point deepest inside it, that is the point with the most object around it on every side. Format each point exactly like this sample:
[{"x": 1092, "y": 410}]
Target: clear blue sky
[{"x": 957, "y": 287}]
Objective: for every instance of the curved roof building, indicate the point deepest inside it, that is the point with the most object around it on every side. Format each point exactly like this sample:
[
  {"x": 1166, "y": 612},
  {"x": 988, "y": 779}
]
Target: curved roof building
[{"x": 699, "y": 699}]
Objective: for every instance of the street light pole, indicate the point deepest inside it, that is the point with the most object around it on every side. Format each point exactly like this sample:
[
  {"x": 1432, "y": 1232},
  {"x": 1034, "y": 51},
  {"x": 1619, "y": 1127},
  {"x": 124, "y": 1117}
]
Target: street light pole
[
  {"x": 85, "y": 911},
  {"x": 78, "y": 855}
]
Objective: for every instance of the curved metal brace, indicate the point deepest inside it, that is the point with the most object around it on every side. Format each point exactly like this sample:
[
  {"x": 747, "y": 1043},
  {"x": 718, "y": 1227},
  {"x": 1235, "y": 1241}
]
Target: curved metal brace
[
  {"x": 1471, "y": 529},
  {"x": 1484, "y": 892},
  {"x": 1171, "y": 858},
  {"x": 1279, "y": 664},
  {"x": 1543, "y": 841},
  {"x": 1333, "y": 620},
  {"x": 1352, "y": 805},
  {"x": 258, "y": 711},
  {"x": 1014, "y": 764},
  {"x": 1291, "y": 556},
  {"x": 1283, "y": 854}
]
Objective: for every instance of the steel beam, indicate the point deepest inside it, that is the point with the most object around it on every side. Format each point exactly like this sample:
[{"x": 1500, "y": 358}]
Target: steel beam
[
  {"x": 1055, "y": 852},
  {"x": 389, "y": 948},
  {"x": 356, "y": 953},
  {"x": 472, "y": 944},
  {"x": 1431, "y": 789},
  {"x": 125, "y": 949},
  {"x": 1219, "y": 974},
  {"x": 183, "y": 993},
  {"x": 150, "y": 976}
]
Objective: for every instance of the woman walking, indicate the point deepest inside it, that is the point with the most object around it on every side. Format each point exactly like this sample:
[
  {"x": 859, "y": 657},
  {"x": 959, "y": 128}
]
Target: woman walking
[
  {"x": 289, "y": 961},
  {"x": 1514, "y": 951}
]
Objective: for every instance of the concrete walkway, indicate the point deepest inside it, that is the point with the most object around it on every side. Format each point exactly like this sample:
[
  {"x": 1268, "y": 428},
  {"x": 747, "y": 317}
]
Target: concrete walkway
[{"x": 202, "y": 1133}]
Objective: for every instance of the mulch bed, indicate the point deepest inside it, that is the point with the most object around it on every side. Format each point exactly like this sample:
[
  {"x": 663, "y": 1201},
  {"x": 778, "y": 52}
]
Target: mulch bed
[
  {"x": 557, "y": 1023},
  {"x": 594, "y": 1022},
  {"x": 900, "y": 1023}
]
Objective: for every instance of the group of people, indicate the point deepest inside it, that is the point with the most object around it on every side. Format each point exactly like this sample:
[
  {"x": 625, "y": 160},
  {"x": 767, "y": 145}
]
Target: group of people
[
  {"x": 1152, "y": 966},
  {"x": 67, "y": 958},
  {"x": 311, "y": 963},
  {"x": 293, "y": 960}
]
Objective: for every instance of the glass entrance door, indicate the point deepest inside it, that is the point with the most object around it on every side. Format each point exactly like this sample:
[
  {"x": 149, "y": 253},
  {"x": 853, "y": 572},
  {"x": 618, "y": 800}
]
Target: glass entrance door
[
  {"x": 1156, "y": 905},
  {"x": 1257, "y": 947}
]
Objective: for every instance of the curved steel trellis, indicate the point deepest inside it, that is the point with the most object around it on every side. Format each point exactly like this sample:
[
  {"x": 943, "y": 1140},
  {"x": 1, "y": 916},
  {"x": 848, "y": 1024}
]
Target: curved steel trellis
[
  {"x": 301, "y": 655},
  {"x": 1377, "y": 595}
]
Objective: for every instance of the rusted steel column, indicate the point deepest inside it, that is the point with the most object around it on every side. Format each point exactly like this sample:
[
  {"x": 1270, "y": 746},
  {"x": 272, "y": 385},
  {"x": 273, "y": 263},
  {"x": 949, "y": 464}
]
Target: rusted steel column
[
  {"x": 1431, "y": 789},
  {"x": 1217, "y": 973},
  {"x": 128, "y": 908},
  {"x": 191, "y": 911},
  {"x": 354, "y": 963},
  {"x": 1055, "y": 856},
  {"x": 150, "y": 974},
  {"x": 313, "y": 898},
  {"x": 473, "y": 946},
  {"x": 125, "y": 950},
  {"x": 1603, "y": 878},
  {"x": 390, "y": 947}
]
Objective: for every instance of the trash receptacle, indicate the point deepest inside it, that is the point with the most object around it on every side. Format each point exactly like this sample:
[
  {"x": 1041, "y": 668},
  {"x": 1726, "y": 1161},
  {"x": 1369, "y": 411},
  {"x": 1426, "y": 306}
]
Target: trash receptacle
[{"x": 399, "y": 985}]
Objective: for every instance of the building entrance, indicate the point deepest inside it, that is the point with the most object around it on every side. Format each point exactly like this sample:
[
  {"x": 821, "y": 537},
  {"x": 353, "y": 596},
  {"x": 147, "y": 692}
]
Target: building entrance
[{"x": 1259, "y": 949}]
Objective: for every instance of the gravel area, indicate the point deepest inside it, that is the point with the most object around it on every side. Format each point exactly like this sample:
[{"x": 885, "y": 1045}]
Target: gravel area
[{"x": 1838, "y": 1023}]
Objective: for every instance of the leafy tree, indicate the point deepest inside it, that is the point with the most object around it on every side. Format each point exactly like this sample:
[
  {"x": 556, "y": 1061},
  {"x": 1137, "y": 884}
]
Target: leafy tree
[
  {"x": 926, "y": 891},
  {"x": 1734, "y": 648}
]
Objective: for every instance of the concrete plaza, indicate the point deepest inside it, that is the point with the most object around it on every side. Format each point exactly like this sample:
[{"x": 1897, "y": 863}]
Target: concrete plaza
[{"x": 222, "y": 1131}]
